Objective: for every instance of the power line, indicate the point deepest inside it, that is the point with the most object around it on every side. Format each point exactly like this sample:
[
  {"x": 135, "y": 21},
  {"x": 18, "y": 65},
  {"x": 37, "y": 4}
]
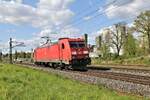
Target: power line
[
  {"x": 103, "y": 12},
  {"x": 126, "y": 19},
  {"x": 79, "y": 19},
  {"x": 95, "y": 11},
  {"x": 85, "y": 10}
]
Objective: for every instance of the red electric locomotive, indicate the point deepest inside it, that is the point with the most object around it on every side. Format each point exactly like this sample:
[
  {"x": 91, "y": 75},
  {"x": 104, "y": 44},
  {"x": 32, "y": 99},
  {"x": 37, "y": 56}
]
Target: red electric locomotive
[{"x": 66, "y": 53}]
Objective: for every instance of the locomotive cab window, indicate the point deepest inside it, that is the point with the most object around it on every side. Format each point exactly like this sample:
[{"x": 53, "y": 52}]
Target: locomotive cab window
[
  {"x": 77, "y": 44},
  {"x": 63, "y": 46}
]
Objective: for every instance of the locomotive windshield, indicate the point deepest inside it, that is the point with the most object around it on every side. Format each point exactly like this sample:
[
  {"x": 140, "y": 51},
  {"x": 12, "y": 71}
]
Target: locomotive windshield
[{"x": 77, "y": 44}]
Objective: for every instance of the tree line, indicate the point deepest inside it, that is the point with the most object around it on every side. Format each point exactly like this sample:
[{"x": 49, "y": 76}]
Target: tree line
[{"x": 17, "y": 55}]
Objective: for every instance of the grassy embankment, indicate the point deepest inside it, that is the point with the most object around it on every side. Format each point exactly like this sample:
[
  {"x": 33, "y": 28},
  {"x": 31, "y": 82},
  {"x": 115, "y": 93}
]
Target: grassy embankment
[
  {"x": 145, "y": 60},
  {"x": 18, "y": 83}
]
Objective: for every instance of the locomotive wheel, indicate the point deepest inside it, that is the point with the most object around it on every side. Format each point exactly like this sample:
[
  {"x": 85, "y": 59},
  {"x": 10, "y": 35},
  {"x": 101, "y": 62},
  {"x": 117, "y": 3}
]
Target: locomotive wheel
[
  {"x": 35, "y": 63},
  {"x": 62, "y": 66},
  {"x": 68, "y": 67},
  {"x": 48, "y": 64},
  {"x": 54, "y": 65}
]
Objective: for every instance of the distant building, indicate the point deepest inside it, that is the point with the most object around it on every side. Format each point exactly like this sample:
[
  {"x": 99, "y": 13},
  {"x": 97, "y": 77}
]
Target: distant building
[
  {"x": 105, "y": 37},
  {"x": 94, "y": 53}
]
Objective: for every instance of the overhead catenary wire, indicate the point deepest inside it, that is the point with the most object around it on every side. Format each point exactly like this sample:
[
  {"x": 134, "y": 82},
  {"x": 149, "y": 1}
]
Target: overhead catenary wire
[
  {"x": 100, "y": 14},
  {"x": 97, "y": 30},
  {"x": 85, "y": 10},
  {"x": 91, "y": 12},
  {"x": 121, "y": 20},
  {"x": 80, "y": 19}
]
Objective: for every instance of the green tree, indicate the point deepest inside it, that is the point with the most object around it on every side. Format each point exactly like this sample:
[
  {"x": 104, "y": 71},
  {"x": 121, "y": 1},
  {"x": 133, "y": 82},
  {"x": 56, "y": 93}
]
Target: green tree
[
  {"x": 130, "y": 46},
  {"x": 142, "y": 25},
  {"x": 16, "y": 55},
  {"x": 117, "y": 38},
  {"x": 24, "y": 54},
  {"x": 105, "y": 51}
]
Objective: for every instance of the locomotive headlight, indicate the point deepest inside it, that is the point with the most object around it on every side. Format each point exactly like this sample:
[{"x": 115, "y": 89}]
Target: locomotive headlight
[
  {"x": 74, "y": 53},
  {"x": 85, "y": 52}
]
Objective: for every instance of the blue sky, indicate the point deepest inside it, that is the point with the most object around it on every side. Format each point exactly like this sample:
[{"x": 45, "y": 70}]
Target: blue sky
[{"x": 28, "y": 20}]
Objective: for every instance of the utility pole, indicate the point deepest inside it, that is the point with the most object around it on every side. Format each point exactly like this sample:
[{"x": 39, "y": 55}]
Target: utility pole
[
  {"x": 11, "y": 47},
  {"x": 10, "y": 51},
  {"x": 1, "y": 54}
]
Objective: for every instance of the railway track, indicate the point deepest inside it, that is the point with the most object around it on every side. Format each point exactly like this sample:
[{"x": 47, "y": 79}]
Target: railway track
[
  {"x": 136, "y": 79},
  {"x": 105, "y": 67}
]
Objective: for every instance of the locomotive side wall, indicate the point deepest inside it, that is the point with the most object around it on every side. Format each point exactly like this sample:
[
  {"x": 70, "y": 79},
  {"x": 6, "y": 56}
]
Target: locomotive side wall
[{"x": 47, "y": 54}]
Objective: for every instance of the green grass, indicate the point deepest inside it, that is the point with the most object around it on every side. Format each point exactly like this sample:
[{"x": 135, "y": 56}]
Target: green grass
[
  {"x": 18, "y": 83},
  {"x": 144, "y": 60}
]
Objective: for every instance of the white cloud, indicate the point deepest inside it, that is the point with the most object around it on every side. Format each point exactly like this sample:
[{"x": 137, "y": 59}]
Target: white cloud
[
  {"x": 53, "y": 12},
  {"x": 126, "y": 9},
  {"x": 16, "y": 13},
  {"x": 54, "y": 4},
  {"x": 87, "y": 18},
  {"x": 11, "y": 1},
  {"x": 45, "y": 32},
  {"x": 99, "y": 32},
  {"x": 48, "y": 12},
  {"x": 49, "y": 15},
  {"x": 92, "y": 36},
  {"x": 54, "y": 36},
  {"x": 65, "y": 32}
]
